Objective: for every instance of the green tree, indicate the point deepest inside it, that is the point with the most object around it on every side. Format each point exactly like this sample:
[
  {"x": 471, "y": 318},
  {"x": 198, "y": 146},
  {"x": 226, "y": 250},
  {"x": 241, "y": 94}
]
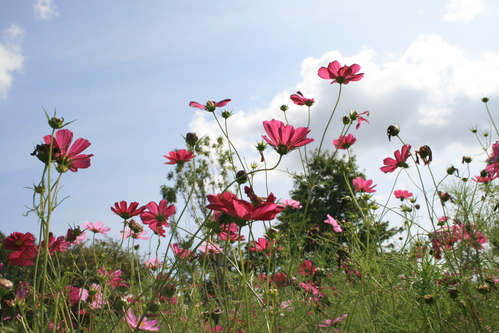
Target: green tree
[{"x": 326, "y": 189}]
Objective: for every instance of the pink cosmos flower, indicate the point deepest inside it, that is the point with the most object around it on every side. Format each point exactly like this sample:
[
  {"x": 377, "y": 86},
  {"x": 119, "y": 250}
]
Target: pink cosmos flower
[
  {"x": 341, "y": 75},
  {"x": 299, "y": 99},
  {"x": 96, "y": 228},
  {"x": 359, "y": 117},
  {"x": 114, "y": 279},
  {"x": 157, "y": 216},
  {"x": 210, "y": 105},
  {"x": 179, "y": 157},
  {"x": 24, "y": 257},
  {"x": 75, "y": 295},
  {"x": 494, "y": 157},
  {"x": 264, "y": 245},
  {"x": 402, "y": 194},
  {"x": 18, "y": 241},
  {"x": 333, "y": 223},
  {"x": 22, "y": 290},
  {"x": 399, "y": 161},
  {"x": 242, "y": 210},
  {"x": 329, "y": 322},
  {"x": 493, "y": 170},
  {"x": 125, "y": 212},
  {"x": 134, "y": 234},
  {"x": 289, "y": 203},
  {"x": 144, "y": 324},
  {"x": 344, "y": 142},
  {"x": 207, "y": 247},
  {"x": 285, "y": 138},
  {"x": 153, "y": 264},
  {"x": 362, "y": 185},
  {"x": 180, "y": 252},
  {"x": 68, "y": 156},
  {"x": 307, "y": 267},
  {"x": 230, "y": 231}
]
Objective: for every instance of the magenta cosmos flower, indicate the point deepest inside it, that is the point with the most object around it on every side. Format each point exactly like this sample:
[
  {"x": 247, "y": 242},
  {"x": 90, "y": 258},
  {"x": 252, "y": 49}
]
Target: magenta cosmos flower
[
  {"x": 362, "y": 185},
  {"x": 285, "y": 138},
  {"x": 341, "y": 75},
  {"x": 265, "y": 245},
  {"x": 402, "y": 194},
  {"x": 125, "y": 212},
  {"x": 399, "y": 161},
  {"x": 17, "y": 241},
  {"x": 144, "y": 324},
  {"x": 284, "y": 203},
  {"x": 344, "y": 142},
  {"x": 96, "y": 228},
  {"x": 179, "y": 157},
  {"x": 68, "y": 156},
  {"x": 333, "y": 223},
  {"x": 299, "y": 99},
  {"x": 242, "y": 210},
  {"x": 157, "y": 216},
  {"x": 210, "y": 105}
]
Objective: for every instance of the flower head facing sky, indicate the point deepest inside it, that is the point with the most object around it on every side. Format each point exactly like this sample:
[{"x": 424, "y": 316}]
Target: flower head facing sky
[
  {"x": 67, "y": 156},
  {"x": 344, "y": 142},
  {"x": 331, "y": 221},
  {"x": 362, "y": 185},
  {"x": 210, "y": 106},
  {"x": 299, "y": 99},
  {"x": 285, "y": 138},
  {"x": 179, "y": 157},
  {"x": 96, "y": 228},
  {"x": 402, "y": 194},
  {"x": 157, "y": 216},
  {"x": 341, "y": 75},
  {"x": 399, "y": 161},
  {"x": 144, "y": 324},
  {"x": 125, "y": 211}
]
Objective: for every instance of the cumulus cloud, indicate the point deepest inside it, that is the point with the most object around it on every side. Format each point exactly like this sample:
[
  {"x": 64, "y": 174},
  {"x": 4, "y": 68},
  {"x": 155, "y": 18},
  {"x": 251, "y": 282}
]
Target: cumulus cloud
[
  {"x": 463, "y": 10},
  {"x": 432, "y": 91},
  {"x": 11, "y": 60},
  {"x": 45, "y": 9}
]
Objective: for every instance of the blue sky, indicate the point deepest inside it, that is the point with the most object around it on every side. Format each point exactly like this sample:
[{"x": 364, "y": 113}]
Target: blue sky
[{"x": 127, "y": 71}]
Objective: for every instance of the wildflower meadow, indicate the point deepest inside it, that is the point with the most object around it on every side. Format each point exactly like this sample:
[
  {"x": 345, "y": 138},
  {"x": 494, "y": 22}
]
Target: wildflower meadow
[{"x": 332, "y": 257}]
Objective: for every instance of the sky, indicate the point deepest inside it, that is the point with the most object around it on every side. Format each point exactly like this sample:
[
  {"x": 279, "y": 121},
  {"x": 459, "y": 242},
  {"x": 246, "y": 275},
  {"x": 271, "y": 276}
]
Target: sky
[{"x": 127, "y": 70}]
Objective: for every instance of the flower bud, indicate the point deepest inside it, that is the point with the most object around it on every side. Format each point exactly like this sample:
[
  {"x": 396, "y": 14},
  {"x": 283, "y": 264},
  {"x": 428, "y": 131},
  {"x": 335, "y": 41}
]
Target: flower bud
[
  {"x": 485, "y": 99},
  {"x": 483, "y": 289},
  {"x": 191, "y": 139},
  {"x": 39, "y": 189},
  {"x": 226, "y": 114},
  {"x": 61, "y": 168},
  {"x": 474, "y": 130},
  {"x": 261, "y": 146},
  {"x": 284, "y": 108},
  {"x": 451, "y": 170},
  {"x": 467, "y": 159},
  {"x": 42, "y": 152},
  {"x": 346, "y": 120},
  {"x": 56, "y": 123},
  {"x": 393, "y": 130},
  {"x": 211, "y": 106},
  {"x": 241, "y": 177},
  {"x": 272, "y": 233}
]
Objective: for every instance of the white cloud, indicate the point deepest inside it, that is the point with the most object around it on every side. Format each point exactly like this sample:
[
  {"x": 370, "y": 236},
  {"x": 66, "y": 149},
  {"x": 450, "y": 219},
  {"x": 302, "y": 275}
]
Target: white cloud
[
  {"x": 432, "y": 90},
  {"x": 45, "y": 9},
  {"x": 463, "y": 10},
  {"x": 11, "y": 60}
]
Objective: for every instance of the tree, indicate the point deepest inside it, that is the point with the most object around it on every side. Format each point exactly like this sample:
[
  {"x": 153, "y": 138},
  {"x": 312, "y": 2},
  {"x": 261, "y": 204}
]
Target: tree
[{"x": 326, "y": 190}]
